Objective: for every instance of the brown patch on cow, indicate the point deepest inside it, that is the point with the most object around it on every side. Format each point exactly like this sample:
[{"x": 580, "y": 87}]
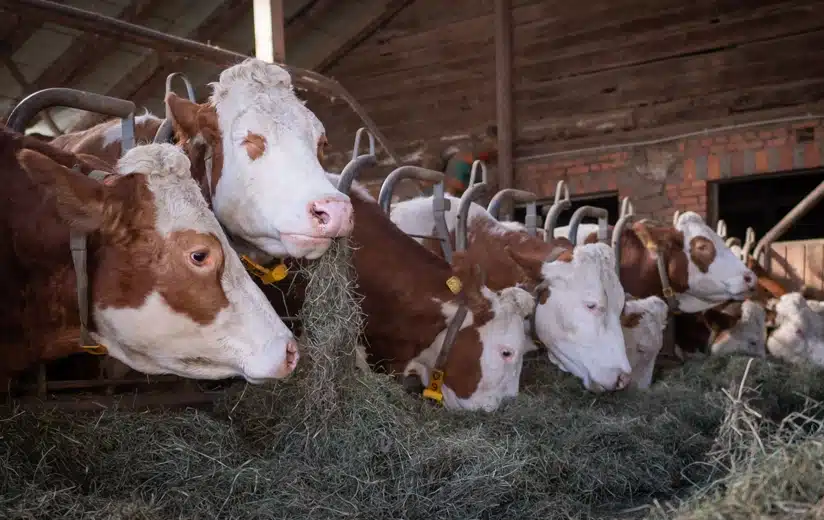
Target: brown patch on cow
[
  {"x": 767, "y": 286},
  {"x": 323, "y": 143},
  {"x": 702, "y": 253},
  {"x": 90, "y": 141},
  {"x": 190, "y": 121},
  {"x": 40, "y": 315},
  {"x": 462, "y": 372},
  {"x": 196, "y": 361},
  {"x": 255, "y": 145},
  {"x": 631, "y": 320},
  {"x": 639, "y": 266}
]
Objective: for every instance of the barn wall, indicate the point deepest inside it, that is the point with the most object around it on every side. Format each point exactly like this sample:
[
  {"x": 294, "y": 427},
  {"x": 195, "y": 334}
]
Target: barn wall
[{"x": 595, "y": 73}]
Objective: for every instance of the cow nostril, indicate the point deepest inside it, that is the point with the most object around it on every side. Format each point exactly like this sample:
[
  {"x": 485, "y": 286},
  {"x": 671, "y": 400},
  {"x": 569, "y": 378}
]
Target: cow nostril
[
  {"x": 506, "y": 353},
  {"x": 623, "y": 381},
  {"x": 320, "y": 215},
  {"x": 748, "y": 278}
]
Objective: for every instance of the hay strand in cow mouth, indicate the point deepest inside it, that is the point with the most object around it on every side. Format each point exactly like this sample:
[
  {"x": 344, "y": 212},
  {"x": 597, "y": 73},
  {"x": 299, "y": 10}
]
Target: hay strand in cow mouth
[{"x": 332, "y": 322}]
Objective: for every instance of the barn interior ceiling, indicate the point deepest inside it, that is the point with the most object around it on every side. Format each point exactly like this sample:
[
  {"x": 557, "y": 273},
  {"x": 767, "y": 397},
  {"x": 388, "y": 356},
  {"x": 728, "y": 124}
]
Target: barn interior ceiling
[{"x": 38, "y": 52}]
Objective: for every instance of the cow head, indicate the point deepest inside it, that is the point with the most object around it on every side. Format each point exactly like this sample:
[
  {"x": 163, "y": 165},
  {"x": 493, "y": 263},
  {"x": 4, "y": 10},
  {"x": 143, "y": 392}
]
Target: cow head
[
  {"x": 643, "y": 322},
  {"x": 483, "y": 366},
  {"x": 799, "y": 333},
  {"x": 714, "y": 273},
  {"x": 741, "y": 328},
  {"x": 577, "y": 317},
  {"x": 261, "y": 148},
  {"x": 168, "y": 293}
]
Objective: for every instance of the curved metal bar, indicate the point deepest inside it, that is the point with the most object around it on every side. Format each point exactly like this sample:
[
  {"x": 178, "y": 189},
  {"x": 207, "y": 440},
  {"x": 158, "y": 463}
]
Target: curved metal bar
[
  {"x": 358, "y": 134},
  {"x": 617, "y": 232},
  {"x": 562, "y": 203},
  {"x": 190, "y": 91},
  {"x": 81, "y": 19},
  {"x": 474, "y": 172},
  {"x": 523, "y": 197},
  {"x": 473, "y": 193},
  {"x": 721, "y": 228},
  {"x": 440, "y": 204},
  {"x": 749, "y": 242},
  {"x": 675, "y": 218},
  {"x": 29, "y": 107},
  {"x": 352, "y": 170},
  {"x": 627, "y": 208},
  {"x": 164, "y": 131},
  {"x": 733, "y": 241},
  {"x": 561, "y": 189},
  {"x": 589, "y": 211}
]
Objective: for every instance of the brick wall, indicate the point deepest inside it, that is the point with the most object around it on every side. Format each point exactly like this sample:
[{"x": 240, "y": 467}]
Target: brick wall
[{"x": 662, "y": 178}]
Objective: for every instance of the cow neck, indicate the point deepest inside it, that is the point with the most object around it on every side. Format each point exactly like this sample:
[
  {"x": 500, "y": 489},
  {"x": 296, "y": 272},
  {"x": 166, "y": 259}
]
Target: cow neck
[
  {"x": 434, "y": 391},
  {"x": 79, "y": 247},
  {"x": 654, "y": 249}
]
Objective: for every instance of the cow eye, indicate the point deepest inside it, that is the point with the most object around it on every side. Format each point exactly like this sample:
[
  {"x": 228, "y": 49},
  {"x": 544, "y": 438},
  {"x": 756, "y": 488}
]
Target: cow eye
[
  {"x": 199, "y": 257},
  {"x": 591, "y": 306}
]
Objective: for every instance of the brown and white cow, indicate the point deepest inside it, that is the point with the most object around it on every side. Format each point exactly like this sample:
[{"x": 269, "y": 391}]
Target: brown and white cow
[
  {"x": 577, "y": 316},
  {"x": 254, "y": 151},
  {"x": 643, "y": 322},
  {"x": 408, "y": 306},
  {"x": 167, "y": 294}
]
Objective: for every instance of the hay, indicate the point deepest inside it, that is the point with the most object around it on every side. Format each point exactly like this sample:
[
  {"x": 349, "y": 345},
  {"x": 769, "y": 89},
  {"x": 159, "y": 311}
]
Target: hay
[
  {"x": 332, "y": 318},
  {"x": 555, "y": 452}
]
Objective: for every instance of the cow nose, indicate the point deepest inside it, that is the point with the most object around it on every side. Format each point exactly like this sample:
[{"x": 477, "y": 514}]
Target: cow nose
[
  {"x": 623, "y": 380},
  {"x": 748, "y": 279},
  {"x": 290, "y": 361},
  {"x": 332, "y": 217}
]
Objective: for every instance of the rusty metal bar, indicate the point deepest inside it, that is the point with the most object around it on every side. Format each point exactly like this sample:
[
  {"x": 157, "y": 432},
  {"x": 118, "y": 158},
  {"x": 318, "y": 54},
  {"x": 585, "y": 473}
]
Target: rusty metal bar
[
  {"x": 72, "y": 98},
  {"x": 473, "y": 193},
  {"x": 503, "y": 91},
  {"x": 522, "y": 196},
  {"x": 789, "y": 219},
  {"x": 119, "y": 30}
]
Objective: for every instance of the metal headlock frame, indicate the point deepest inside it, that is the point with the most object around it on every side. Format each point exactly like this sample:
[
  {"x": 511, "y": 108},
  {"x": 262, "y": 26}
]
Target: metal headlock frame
[
  {"x": 721, "y": 229},
  {"x": 96, "y": 23},
  {"x": 592, "y": 212},
  {"x": 519, "y": 196},
  {"x": 473, "y": 193},
  {"x": 560, "y": 205},
  {"x": 440, "y": 204},
  {"x": 627, "y": 208}
]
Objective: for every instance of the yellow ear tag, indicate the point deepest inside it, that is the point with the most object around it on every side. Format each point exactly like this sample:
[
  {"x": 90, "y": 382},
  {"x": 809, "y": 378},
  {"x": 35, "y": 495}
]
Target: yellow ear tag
[
  {"x": 95, "y": 350},
  {"x": 433, "y": 391},
  {"x": 267, "y": 276},
  {"x": 454, "y": 284}
]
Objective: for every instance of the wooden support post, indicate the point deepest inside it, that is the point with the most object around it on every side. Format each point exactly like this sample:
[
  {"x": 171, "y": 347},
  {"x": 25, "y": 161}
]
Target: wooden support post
[
  {"x": 270, "y": 43},
  {"x": 503, "y": 95}
]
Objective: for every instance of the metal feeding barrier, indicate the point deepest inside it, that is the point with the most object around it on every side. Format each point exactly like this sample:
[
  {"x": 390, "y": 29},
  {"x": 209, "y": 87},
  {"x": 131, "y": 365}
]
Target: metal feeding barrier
[
  {"x": 440, "y": 204},
  {"x": 592, "y": 212},
  {"x": 164, "y": 132},
  {"x": 562, "y": 203},
  {"x": 473, "y": 193},
  {"x": 721, "y": 229},
  {"x": 519, "y": 196}
]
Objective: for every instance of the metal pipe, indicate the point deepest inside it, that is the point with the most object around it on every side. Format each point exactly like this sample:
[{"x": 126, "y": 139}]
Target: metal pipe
[
  {"x": 675, "y": 217},
  {"x": 503, "y": 90},
  {"x": 190, "y": 91},
  {"x": 589, "y": 211},
  {"x": 119, "y": 30},
  {"x": 721, "y": 228},
  {"x": 32, "y": 104},
  {"x": 440, "y": 204},
  {"x": 521, "y": 196},
  {"x": 789, "y": 219},
  {"x": 352, "y": 170},
  {"x": 358, "y": 134},
  {"x": 474, "y": 172},
  {"x": 473, "y": 193},
  {"x": 627, "y": 208},
  {"x": 560, "y": 204}
]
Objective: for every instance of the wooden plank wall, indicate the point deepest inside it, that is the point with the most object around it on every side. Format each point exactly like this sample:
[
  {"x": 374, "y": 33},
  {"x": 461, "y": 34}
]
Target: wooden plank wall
[{"x": 586, "y": 73}]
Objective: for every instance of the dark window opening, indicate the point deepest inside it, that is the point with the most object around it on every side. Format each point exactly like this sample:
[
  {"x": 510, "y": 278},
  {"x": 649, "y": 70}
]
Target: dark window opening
[
  {"x": 608, "y": 201},
  {"x": 761, "y": 202}
]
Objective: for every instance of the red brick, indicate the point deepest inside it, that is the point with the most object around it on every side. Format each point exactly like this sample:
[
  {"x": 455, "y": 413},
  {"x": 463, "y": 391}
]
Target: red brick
[
  {"x": 785, "y": 158},
  {"x": 689, "y": 169},
  {"x": 595, "y": 167},
  {"x": 736, "y": 138},
  {"x": 737, "y": 164},
  {"x": 812, "y": 157},
  {"x": 718, "y": 148},
  {"x": 807, "y": 124},
  {"x": 764, "y": 134},
  {"x": 713, "y": 167},
  {"x": 750, "y": 135},
  {"x": 706, "y": 142},
  {"x": 681, "y": 146},
  {"x": 780, "y": 141},
  {"x": 699, "y": 184},
  {"x": 578, "y": 170},
  {"x": 753, "y": 145},
  {"x": 722, "y": 139},
  {"x": 762, "y": 162},
  {"x": 611, "y": 182},
  {"x": 781, "y": 132}
]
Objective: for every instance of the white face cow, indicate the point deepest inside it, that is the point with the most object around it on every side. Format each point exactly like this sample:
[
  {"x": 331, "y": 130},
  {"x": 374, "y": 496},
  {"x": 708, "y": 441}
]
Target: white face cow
[
  {"x": 715, "y": 274},
  {"x": 579, "y": 321},
  {"x": 501, "y": 359},
  {"x": 643, "y": 322},
  {"x": 747, "y": 336},
  {"x": 266, "y": 183},
  {"x": 799, "y": 333},
  {"x": 169, "y": 294}
]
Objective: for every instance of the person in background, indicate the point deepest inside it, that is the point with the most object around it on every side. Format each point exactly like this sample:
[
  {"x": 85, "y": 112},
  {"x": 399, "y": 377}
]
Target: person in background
[{"x": 458, "y": 165}]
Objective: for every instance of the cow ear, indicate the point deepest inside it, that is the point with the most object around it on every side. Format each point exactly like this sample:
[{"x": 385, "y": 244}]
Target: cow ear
[
  {"x": 530, "y": 261},
  {"x": 80, "y": 201},
  {"x": 185, "y": 115},
  {"x": 630, "y": 320}
]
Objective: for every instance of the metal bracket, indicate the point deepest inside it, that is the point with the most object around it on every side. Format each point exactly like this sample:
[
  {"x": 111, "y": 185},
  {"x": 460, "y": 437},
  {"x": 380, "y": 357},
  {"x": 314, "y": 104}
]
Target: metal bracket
[
  {"x": 560, "y": 204},
  {"x": 617, "y": 232},
  {"x": 440, "y": 204},
  {"x": 474, "y": 172},
  {"x": 29, "y": 107},
  {"x": 675, "y": 217},
  {"x": 520, "y": 196},
  {"x": 473, "y": 193},
  {"x": 627, "y": 208},
  {"x": 589, "y": 211},
  {"x": 749, "y": 243},
  {"x": 353, "y": 168},
  {"x": 358, "y": 135},
  {"x": 721, "y": 229}
]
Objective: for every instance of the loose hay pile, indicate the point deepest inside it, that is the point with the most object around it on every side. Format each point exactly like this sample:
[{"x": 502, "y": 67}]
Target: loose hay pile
[{"x": 556, "y": 452}]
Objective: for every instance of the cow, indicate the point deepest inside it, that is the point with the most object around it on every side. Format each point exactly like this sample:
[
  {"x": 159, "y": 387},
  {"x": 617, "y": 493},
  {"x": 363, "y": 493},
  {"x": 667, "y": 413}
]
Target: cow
[
  {"x": 580, "y": 299},
  {"x": 409, "y": 307},
  {"x": 643, "y": 322},
  {"x": 166, "y": 292},
  {"x": 799, "y": 333},
  {"x": 254, "y": 149}
]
